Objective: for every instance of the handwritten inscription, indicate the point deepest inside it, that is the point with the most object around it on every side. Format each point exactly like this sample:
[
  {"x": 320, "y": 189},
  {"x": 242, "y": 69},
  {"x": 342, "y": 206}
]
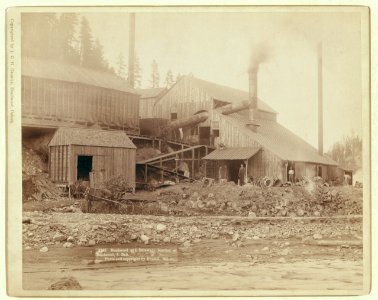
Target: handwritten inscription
[{"x": 131, "y": 255}]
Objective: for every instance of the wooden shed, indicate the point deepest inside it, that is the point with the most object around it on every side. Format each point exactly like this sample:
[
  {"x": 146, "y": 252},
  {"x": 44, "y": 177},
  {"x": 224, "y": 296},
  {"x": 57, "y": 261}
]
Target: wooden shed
[{"x": 91, "y": 154}]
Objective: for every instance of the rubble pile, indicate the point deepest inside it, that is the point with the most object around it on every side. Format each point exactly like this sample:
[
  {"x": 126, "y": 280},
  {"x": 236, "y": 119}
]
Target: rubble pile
[
  {"x": 39, "y": 187},
  {"x": 43, "y": 230},
  {"x": 117, "y": 186},
  {"x": 312, "y": 199},
  {"x": 32, "y": 162},
  {"x": 36, "y": 184}
]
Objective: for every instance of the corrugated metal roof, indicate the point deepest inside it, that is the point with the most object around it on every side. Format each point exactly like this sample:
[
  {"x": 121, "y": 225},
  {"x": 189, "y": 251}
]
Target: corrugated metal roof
[
  {"x": 150, "y": 93},
  {"x": 279, "y": 140},
  {"x": 48, "y": 69},
  {"x": 235, "y": 153},
  {"x": 91, "y": 137},
  {"x": 227, "y": 94}
]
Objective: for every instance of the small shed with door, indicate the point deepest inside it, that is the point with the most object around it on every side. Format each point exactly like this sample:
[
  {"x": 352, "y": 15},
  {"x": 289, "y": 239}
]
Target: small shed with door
[
  {"x": 91, "y": 155},
  {"x": 229, "y": 160}
]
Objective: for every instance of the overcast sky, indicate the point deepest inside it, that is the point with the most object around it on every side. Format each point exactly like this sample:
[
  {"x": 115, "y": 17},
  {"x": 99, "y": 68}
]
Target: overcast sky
[{"x": 217, "y": 47}]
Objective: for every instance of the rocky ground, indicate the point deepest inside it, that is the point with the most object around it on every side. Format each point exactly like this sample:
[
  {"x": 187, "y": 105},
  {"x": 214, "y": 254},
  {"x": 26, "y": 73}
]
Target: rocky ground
[{"x": 42, "y": 230}]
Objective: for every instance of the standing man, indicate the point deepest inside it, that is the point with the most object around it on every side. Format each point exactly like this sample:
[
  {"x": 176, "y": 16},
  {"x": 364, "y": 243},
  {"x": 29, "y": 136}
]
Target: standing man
[
  {"x": 291, "y": 175},
  {"x": 241, "y": 174}
]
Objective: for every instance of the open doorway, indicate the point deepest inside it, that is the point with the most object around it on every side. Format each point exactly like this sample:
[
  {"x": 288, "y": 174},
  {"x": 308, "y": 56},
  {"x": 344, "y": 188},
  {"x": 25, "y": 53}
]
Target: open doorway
[
  {"x": 233, "y": 170},
  {"x": 84, "y": 167}
]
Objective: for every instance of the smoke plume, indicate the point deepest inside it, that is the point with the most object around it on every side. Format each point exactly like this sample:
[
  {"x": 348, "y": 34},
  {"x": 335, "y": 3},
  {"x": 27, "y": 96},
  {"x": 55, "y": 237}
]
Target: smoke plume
[{"x": 260, "y": 53}]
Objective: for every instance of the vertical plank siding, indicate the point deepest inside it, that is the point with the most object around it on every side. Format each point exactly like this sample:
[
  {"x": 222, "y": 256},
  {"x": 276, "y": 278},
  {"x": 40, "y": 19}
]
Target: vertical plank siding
[
  {"x": 111, "y": 161},
  {"x": 76, "y": 102},
  {"x": 185, "y": 99}
]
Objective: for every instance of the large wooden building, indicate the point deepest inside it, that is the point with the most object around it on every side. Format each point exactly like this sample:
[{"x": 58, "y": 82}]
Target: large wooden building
[
  {"x": 273, "y": 149},
  {"x": 56, "y": 94},
  {"x": 91, "y": 155}
]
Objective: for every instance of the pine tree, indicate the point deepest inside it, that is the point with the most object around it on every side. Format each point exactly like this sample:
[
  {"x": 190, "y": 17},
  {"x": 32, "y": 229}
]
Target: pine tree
[
  {"x": 155, "y": 77},
  {"x": 178, "y": 77},
  {"x": 85, "y": 43},
  {"x": 348, "y": 153},
  {"x": 66, "y": 38},
  {"x": 121, "y": 66},
  {"x": 169, "y": 79},
  {"x": 98, "y": 61},
  {"x": 137, "y": 73}
]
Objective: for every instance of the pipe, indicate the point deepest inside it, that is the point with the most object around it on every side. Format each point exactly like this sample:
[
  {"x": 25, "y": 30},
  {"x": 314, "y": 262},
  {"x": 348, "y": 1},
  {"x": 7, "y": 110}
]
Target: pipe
[
  {"x": 190, "y": 121},
  {"x": 235, "y": 108},
  {"x": 320, "y": 99},
  {"x": 253, "y": 98},
  {"x": 131, "y": 49}
]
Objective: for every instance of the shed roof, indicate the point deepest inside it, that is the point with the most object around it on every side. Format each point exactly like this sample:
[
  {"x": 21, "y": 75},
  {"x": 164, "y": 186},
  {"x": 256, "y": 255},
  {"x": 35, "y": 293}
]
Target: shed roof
[
  {"x": 235, "y": 153},
  {"x": 279, "y": 140},
  {"x": 150, "y": 93},
  {"x": 48, "y": 69},
  {"x": 91, "y": 137},
  {"x": 228, "y": 94}
]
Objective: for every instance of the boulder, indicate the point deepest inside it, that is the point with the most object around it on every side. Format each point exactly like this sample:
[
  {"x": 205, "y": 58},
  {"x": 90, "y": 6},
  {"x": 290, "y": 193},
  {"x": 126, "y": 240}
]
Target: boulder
[
  {"x": 44, "y": 249},
  {"x": 67, "y": 245},
  {"x": 66, "y": 283},
  {"x": 58, "y": 237},
  {"x": 161, "y": 227}
]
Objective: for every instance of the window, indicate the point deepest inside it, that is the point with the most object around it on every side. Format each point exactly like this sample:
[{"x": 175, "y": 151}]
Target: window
[{"x": 173, "y": 116}]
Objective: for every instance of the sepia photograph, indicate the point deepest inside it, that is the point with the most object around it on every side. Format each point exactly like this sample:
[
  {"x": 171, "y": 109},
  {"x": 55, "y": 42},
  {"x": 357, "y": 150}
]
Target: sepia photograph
[{"x": 189, "y": 151}]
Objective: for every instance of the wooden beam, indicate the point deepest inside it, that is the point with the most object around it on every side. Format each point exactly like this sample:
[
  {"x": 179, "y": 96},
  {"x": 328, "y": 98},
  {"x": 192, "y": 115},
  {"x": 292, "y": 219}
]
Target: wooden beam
[
  {"x": 193, "y": 158},
  {"x": 161, "y": 172},
  {"x": 169, "y": 154},
  {"x": 145, "y": 173},
  {"x": 206, "y": 152}
]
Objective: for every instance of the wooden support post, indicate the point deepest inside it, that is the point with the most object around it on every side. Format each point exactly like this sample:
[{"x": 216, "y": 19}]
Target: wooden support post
[
  {"x": 160, "y": 145},
  {"x": 199, "y": 158},
  {"x": 193, "y": 158},
  {"x": 246, "y": 170},
  {"x": 161, "y": 171},
  {"x": 153, "y": 144},
  {"x": 182, "y": 153},
  {"x": 145, "y": 173},
  {"x": 206, "y": 151},
  {"x": 176, "y": 161}
]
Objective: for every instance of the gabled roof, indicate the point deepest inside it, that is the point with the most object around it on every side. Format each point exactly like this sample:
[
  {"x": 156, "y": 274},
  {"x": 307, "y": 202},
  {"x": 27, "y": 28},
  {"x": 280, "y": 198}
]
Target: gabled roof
[
  {"x": 150, "y": 93},
  {"x": 53, "y": 70},
  {"x": 234, "y": 153},
  {"x": 279, "y": 140},
  {"x": 65, "y": 136},
  {"x": 227, "y": 94}
]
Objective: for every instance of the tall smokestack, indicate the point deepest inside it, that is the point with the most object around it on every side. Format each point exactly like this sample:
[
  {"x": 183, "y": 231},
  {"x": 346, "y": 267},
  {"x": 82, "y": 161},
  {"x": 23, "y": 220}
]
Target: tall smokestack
[
  {"x": 253, "y": 70},
  {"x": 320, "y": 99},
  {"x": 131, "y": 49},
  {"x": 260, "y": 54}
]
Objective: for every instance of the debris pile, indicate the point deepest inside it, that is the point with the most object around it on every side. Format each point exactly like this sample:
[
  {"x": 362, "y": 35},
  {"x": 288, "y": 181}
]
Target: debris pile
[
  {"x": 36, "y": 184},
  {"x": 311, "y": 199},
  {"x": 32, "y": 162},
  {"x": 43, "y": 230},
  {"x": 39, "y": 187},
  {"x": 117, "y": 186}
]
